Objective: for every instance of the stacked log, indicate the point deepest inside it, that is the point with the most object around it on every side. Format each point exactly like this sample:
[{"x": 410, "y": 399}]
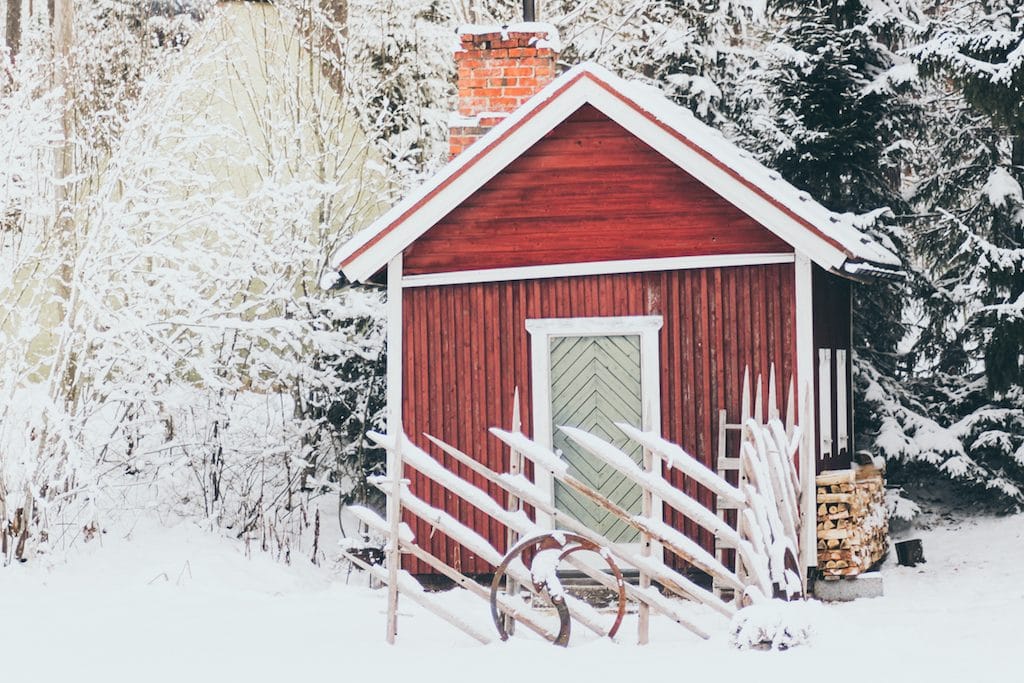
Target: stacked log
[{"x": 853, "y": 527}]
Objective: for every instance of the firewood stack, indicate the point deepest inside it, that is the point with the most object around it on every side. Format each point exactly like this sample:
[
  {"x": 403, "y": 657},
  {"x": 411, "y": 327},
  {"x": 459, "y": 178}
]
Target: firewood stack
[{"x": 853, "y": 527}]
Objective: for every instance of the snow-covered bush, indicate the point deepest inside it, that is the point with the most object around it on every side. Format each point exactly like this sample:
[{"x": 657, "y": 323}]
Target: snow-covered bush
[
  {"x": 900, "y": 508},
  {"x": 770, "y": 625},
  {"x": 690, "y": 49}
]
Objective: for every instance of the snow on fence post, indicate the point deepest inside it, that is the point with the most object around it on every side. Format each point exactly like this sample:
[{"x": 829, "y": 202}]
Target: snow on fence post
[
  {"x": 515, "y": 504},
  {"x": 428, "y": 466},
  {"x": 518, "y": 612},
  {"x": 771, "y": 518},
  {"x": 414, "y": 591},
  {"x": 394, "y": 511},
  {"x": 625, "y": 465},
  {"x": 528, "y": 492},
  {"x": 647, "y": 509}
]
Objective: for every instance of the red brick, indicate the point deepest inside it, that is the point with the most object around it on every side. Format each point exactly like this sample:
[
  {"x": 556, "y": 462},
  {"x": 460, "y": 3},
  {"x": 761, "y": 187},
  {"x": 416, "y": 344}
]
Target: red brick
[
  {"x": 489, "y": 70},
  {"x": 519, "y": 92},
  {"x": 504, "y": 103},
  {"x": 517, "y": 71}
]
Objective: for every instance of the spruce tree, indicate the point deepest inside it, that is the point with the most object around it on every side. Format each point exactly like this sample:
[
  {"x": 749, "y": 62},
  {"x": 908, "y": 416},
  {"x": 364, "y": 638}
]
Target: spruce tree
[
  {"x": 971, "y": 237},
  {"x": 828, "y": 103}
]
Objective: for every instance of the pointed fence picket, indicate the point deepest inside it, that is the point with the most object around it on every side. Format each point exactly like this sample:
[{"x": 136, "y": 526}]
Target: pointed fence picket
[{"x": 765, "y": 538}]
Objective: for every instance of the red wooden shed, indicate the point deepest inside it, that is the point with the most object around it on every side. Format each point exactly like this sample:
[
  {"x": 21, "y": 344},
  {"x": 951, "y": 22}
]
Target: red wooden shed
[{"x": 603, "y": 251}]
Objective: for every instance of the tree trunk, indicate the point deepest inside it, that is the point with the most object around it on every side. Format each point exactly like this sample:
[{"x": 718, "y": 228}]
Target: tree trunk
[
  {"x": 12, "y": 31},
  {"x": 338, "y": 11},
  {"x": 63, "y": 34}
]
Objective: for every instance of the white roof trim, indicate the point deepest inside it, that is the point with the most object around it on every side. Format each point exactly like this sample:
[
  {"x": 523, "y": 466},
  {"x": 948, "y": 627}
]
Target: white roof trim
[
  {"x": 461, "y": 277},
  {"x": 646, "y": 113}
]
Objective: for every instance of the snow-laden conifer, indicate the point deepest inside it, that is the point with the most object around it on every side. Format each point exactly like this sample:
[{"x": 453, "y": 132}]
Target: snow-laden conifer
[{"x": 970, "y": 236}]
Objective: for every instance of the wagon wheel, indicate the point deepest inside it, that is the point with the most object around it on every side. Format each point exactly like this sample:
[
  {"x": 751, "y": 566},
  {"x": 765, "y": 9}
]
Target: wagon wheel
[{"x": 568, "y": 543}]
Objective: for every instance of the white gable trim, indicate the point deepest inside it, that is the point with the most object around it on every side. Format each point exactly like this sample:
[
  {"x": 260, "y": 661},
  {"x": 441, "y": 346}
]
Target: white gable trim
[
  {"x": 754, "y": 189},
  {"x": 462, "y": 277}
]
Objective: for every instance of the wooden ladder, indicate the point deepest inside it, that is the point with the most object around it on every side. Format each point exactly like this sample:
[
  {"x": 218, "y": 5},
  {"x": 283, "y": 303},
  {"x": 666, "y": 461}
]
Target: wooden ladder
[
  {"x": 751, "y": 407},
  {"x": 723, "y": 466}
]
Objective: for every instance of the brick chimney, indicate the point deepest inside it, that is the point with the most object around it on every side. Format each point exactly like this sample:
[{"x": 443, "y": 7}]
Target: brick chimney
[{"x": 500, "y": 67}]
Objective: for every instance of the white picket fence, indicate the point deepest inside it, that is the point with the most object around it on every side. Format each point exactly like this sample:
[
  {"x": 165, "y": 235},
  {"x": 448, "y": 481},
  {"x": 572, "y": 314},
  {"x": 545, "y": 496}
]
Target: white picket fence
[{"x": 765, "y": 540}]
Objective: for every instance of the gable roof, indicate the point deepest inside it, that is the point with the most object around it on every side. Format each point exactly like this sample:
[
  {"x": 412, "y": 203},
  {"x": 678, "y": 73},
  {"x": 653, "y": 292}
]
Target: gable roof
[{"x": 831, "y": 240}]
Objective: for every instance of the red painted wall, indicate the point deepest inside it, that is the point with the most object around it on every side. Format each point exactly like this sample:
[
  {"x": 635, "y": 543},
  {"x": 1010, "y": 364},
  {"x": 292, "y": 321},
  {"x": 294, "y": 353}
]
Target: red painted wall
[
  {"x": 588, "y": 191},
  {"x": 466, "y": 349}
]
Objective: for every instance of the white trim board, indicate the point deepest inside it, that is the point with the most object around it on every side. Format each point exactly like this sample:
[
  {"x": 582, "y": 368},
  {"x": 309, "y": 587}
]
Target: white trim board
[
  {"x": 542, "y": 330},
  {"x": 830, "y": 239},
  {"x": 805, "y": 362},
  {"x": 595, "y": 268}
]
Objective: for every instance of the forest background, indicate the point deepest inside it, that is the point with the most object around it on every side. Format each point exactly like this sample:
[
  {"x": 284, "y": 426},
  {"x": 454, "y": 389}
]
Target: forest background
[{"x": 173, "y": 179}]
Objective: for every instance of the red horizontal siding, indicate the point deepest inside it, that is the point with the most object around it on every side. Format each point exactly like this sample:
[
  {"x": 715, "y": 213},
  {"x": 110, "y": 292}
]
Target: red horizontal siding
[
  {"x": 588, "y": 191},
  {"x": 466, "y": 350}
]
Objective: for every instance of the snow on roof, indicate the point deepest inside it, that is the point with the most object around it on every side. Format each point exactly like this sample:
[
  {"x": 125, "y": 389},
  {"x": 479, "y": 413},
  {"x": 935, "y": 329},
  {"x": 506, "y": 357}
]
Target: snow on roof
[{"x": 832, "y": 240}]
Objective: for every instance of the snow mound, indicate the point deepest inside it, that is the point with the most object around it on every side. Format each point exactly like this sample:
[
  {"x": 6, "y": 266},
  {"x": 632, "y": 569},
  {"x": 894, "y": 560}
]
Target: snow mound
[
  {"x": 771, "y": 625},
  {"x": 899, "y": 506}
]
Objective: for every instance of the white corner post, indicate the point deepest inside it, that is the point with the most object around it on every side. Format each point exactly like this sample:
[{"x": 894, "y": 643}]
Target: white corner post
[
  {"x": 805, "y": 360},
  {"x": 395, "y": 435}
]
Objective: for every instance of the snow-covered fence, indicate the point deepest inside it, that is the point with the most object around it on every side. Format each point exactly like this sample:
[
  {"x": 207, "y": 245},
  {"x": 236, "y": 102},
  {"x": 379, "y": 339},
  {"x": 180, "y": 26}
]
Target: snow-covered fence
[{"x": 766, "y": 537}]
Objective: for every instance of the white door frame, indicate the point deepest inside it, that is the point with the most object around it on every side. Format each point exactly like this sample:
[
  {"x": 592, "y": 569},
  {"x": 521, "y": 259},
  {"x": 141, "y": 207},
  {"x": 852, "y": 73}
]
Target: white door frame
[{"x": 542, "y": 330}]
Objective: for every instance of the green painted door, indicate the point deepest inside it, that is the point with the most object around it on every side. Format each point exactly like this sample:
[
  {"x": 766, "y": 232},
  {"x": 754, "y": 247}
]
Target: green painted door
[{"x": 595, "y": 382}]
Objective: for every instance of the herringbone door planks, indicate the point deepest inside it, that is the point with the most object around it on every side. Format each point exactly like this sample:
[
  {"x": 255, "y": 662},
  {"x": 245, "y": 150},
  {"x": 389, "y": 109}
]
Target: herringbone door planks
[{"x": 595, "y": 382}]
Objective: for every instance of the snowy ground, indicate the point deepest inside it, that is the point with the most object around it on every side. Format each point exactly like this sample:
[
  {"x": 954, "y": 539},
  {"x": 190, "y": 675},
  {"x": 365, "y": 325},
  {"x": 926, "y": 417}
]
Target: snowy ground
[{"x": 159, "y": 604}]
